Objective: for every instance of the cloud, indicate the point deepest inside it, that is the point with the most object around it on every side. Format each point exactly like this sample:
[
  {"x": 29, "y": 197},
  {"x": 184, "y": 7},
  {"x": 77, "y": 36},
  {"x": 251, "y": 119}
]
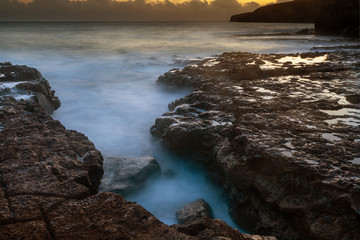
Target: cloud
[
  {"x": 226, "y": 4},
  {"x": 109, "y": 10}
]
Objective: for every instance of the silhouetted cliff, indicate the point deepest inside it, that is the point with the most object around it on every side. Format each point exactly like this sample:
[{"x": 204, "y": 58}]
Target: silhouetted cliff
[{"x": 329, "y": 16}]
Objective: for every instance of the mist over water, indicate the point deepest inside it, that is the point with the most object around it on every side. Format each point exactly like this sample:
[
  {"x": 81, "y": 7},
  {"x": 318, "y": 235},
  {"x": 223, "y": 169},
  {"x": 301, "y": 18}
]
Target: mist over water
[{"x": 105, "y": 73}]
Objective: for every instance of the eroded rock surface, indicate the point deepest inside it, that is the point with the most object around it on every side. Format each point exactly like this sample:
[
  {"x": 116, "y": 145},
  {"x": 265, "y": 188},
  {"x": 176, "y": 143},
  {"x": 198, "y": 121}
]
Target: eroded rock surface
[
  {"x": 108, "y": 216},
  {"x": 39, "y": 158},
  {"x": 22, "y": 82},
  {"x": 123, "y": 175},
  {"x": 281, "y": 133}
]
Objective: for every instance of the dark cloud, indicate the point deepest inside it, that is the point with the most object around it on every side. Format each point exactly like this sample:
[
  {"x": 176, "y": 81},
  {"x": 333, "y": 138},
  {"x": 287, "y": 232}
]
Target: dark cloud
[
  {"x": 108, "y": 10},
  {"x": 226, "y": 4}
]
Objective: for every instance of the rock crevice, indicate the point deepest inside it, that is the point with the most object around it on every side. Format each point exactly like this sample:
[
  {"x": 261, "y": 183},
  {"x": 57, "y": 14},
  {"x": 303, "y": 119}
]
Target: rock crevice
[{"x": 46, "y": 191}]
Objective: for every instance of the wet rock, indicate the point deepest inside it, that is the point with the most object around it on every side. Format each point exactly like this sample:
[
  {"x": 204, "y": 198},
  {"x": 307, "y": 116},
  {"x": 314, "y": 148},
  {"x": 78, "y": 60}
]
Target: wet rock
[
  {"x": 124, "y": 175},
  {"x": 175, "y": 78},
  {"x": 29, "y": 81},
  {"x": 93, "y": 161},
  {"x": 197, "y": 209},
  {"x": 284, "y": 144}
]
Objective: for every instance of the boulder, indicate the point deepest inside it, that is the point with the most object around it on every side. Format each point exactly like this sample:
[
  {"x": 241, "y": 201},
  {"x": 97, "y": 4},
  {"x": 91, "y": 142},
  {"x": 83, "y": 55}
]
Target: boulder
[
  {"x": 124, "y": 175},
  {"x": 197, "y": 209}
]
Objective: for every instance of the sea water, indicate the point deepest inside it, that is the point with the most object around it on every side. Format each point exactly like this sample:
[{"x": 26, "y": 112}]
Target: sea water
[{"x": 105, "y": 76}]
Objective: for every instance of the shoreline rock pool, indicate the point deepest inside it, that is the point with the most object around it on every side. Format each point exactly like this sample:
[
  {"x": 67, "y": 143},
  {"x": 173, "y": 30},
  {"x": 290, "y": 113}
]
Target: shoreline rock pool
[{"x": 49, "y": 177}]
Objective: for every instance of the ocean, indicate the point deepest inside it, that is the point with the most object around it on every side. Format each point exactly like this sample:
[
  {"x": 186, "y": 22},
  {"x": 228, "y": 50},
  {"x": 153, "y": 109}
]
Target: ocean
[{"x": 105, "y": 76}]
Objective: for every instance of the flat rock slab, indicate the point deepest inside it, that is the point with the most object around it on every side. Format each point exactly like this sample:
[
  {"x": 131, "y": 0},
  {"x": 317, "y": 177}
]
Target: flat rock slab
[
  {"x": 123, "y": 175},
  {"x": 197, "y": 209}
]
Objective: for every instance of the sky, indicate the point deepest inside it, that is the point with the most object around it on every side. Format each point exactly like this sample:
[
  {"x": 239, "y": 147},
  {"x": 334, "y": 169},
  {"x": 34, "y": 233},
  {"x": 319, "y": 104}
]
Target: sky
[{"x": 126, "y": 10}]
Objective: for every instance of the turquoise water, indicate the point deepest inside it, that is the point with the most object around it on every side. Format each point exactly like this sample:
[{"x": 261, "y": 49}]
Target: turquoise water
[{"x": 105, "y": 73}]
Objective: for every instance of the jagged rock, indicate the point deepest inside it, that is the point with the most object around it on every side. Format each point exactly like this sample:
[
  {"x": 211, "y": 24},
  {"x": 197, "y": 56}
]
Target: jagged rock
[
  {"x": 39, "y": 158},
  {"x": 205, "y": 228},
  {"x": 124, "y": 175},
  {"x": 178, "y": 80},
  {"x": 197, "y": 209},
  {"x": 285, "y": 144},
  {"x": 93, "y": 160},
  {"x": 29, "y": 81}
]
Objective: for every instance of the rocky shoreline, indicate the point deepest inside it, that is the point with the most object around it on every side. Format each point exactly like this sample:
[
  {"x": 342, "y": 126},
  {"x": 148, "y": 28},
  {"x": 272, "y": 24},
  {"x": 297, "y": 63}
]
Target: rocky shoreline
[
  {"x": 331, "y": 17},
  {"x": 280, "y": 132},
  {"x": 50, "y": 177}
]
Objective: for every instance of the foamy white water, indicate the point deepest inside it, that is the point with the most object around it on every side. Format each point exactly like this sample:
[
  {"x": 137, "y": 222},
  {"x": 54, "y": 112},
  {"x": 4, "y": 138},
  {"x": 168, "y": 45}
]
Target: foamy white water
[{"x": 105, "y": 73}]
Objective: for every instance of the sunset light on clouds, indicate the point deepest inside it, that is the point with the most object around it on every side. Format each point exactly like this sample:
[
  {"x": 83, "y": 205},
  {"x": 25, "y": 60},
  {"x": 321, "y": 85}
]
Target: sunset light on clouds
[
  {"x": 126, "y": 10},
  {"x": 261, "y": 2}
]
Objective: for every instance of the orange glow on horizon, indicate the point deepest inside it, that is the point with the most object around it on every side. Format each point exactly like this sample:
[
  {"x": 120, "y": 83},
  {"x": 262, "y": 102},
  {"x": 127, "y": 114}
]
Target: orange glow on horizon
[{"x": 261, "y": 2}]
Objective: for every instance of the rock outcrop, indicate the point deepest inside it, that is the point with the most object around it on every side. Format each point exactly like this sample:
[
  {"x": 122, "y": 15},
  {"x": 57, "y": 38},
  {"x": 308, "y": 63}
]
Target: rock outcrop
[
  {"x": 124, "y": 175},
  {"x": 22, "y": 81},
  {"x": 280, "y": 133},
  {"x": 330, "y": 16},
  {"x": 197, "y": 209},
  {"x": 49, "y": 176}
]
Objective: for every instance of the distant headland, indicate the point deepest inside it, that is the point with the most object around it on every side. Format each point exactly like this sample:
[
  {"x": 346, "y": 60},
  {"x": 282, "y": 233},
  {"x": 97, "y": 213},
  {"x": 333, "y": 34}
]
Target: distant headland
[{"x": 333, "y": 17}]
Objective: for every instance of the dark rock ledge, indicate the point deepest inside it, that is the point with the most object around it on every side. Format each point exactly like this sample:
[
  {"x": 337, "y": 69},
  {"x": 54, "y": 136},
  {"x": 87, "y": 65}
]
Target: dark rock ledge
[
  {"x": 280, "y": 133},
  {"x": 49, "y": 177}
]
